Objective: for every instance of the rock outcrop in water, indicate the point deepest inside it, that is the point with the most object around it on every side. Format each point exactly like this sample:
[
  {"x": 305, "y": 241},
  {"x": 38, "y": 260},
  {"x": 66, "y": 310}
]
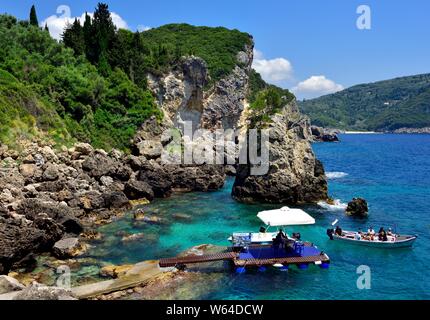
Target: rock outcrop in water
[
  {"x": 324, "y": 135},
  {"x": 294, "y": 175},
  {"x": 357, "y": 207}
]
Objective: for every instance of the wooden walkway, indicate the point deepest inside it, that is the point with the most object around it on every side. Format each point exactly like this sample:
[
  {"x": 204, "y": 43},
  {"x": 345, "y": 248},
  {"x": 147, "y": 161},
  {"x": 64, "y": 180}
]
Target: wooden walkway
[
  {"x": 234, "y": 257},
  {"x": 171, "y": 262},
  {"x": 285, "y": 261}
]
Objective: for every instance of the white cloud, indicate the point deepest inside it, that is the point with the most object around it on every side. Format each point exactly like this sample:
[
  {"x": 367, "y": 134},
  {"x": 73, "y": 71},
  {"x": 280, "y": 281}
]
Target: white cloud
[
  {"x": 142, "y": 28},
  {"x": 272, "y": 70},
  {"x": 316, "y": 86},
  {"x": 57, "y": 23}
]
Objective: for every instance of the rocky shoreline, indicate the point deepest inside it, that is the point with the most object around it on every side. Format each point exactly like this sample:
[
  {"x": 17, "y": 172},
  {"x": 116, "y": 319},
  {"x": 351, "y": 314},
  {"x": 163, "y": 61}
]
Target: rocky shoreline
[{"x": 48, "y": 195}]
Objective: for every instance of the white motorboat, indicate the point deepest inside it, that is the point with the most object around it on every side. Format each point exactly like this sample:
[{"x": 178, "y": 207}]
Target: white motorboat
[{"x": 393, "y": 241}]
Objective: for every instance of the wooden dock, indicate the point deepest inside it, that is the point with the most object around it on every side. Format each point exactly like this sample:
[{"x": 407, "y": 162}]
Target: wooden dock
[
  {"x": 241, "y": 260},
  {"x": 171, "y": 262},
  {"x": 284, "y": 261}
]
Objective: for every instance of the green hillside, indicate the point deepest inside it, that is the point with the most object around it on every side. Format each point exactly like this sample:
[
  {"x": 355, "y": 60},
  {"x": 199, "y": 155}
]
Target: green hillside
[
  {"x": 381, "y": 106},
  {"x": 91, "y": 86}
]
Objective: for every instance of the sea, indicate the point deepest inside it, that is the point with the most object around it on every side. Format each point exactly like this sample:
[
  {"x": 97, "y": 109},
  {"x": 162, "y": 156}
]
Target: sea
[{"x": 392, "y": 172}]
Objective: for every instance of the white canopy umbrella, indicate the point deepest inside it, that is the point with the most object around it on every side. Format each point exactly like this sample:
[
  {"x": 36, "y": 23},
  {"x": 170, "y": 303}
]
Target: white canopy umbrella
[{"x": 285, "y": 217}]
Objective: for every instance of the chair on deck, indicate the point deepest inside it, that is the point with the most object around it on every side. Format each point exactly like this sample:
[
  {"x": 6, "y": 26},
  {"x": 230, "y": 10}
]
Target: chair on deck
[{"x": 299, "y": 247}]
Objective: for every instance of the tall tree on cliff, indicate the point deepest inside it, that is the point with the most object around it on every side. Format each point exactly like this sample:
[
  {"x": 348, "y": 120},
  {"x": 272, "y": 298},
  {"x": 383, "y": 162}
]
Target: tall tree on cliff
[
  {"x": 33, "y": 16},
  {"x": 73, "y": 37},
  {"x": 104, "y": 34},
  {"x": 88, "y": 38}
]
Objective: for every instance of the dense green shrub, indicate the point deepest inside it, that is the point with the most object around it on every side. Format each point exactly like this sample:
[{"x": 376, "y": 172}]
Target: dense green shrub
[{"x": 46, "y": 86}]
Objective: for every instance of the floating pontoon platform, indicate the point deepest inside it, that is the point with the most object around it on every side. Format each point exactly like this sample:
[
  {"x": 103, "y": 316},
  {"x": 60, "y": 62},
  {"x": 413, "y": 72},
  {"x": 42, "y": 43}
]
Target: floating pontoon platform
[{"x": 257, "y": 255}]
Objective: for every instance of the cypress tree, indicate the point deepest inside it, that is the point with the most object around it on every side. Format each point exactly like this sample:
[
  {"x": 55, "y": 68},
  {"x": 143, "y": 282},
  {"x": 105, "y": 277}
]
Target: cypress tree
[
  {"x": 88, "y": 39},
  {"x": 46, "y": 27},
  {"x": 104, "y": 33},
  {"x": 33, "y": 16}
]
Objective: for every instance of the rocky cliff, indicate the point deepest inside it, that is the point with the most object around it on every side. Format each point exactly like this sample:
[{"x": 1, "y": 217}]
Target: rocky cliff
[
  {"x": 183, "y": 93},
  {"x": 294, "y": 175}
]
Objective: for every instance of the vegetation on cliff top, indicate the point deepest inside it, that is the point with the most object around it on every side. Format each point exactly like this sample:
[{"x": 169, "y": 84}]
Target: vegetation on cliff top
[
  {"x": 92, "y": 85},
  {"x": 265, "y": 99},
  {"x": 381, "y": 106},
  {"x": 46, "y": 87}
]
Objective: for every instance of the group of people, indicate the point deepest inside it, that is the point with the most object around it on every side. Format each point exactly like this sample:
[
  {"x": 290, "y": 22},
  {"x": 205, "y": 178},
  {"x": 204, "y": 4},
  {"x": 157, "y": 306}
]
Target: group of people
[{"x": 370, "y": 235}]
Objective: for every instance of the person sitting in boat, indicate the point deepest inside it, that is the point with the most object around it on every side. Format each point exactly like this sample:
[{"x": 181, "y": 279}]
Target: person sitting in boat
[
  {"x": 382, "y": 235},
  {"x": 371, "y": 233},
  {"x": 262, "y": 229},
  {"x": 389, "y": 232},
  {"x": 338, "y": 231},
  {"x": 357, "y": 236}
]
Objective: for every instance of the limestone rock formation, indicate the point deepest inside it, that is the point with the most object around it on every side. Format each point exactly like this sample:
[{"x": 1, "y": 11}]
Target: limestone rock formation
[{"x": 294, "y": 174}]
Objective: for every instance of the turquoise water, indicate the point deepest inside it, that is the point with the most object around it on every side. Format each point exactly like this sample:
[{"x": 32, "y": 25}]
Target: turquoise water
[{"x": 391, "y": 171}]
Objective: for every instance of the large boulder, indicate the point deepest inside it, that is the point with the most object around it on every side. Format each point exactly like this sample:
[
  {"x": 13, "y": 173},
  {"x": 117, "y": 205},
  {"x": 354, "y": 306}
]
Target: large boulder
[
  {"x": 51, "y": 172},
  {"x": 19, "y": 241},
  {"x": 115, "y": 200},
  {"x": 99, "y": 164},
  {"x": 136, "y": 189},
  {"x": 357, "y": 208},
  {"x": 67, "y": 248},
  {"x": 324, "y": 135},
  {"x": 83, "y": 148},
  {"x": 9, "y": 284}
]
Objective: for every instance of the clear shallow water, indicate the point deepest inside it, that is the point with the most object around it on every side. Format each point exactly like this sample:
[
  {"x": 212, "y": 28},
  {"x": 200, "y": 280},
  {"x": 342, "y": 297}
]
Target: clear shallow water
[{"x": 391, "y": 171}]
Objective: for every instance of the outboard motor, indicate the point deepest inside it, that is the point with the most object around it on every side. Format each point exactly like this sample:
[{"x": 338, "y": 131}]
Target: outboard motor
[{"x": 330, "y": 233}]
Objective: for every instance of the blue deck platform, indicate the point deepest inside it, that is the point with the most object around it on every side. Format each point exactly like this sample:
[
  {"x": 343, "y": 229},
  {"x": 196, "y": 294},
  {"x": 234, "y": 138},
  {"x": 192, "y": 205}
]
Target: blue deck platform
[{"x": 268, "y": 252}]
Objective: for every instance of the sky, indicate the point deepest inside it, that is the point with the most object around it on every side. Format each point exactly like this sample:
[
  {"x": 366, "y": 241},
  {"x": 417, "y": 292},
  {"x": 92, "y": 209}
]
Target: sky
[{"x": 311, "y": 47}]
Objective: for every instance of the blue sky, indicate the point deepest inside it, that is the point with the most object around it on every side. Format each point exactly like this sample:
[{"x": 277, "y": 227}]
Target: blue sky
[{"x": 313, "y": 47}]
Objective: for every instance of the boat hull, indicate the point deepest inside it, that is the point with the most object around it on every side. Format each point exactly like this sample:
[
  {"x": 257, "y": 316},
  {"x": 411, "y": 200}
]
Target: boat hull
[{"x": 402, "y": 241}]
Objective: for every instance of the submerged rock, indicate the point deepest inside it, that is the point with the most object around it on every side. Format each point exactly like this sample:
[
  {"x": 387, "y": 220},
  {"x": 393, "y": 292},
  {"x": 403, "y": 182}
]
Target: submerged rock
[
  {"x": 357, "y": 208},
  {"x": 132, "y": 237},
  {"x": 115, "y": 271}
]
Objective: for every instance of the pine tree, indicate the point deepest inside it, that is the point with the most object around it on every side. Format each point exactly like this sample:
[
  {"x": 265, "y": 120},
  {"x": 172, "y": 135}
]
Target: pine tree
[
  {"x": 46, "y": 27},
  {"x": 33, "y": 16},
  {"x": 73, "y": 37}
]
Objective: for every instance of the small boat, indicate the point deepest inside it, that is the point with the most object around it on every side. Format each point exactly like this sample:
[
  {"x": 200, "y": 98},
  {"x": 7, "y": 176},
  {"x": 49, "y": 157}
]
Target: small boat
[
  {"x": 284, "y": 216},
  {"x": 393, "y": 241}
]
